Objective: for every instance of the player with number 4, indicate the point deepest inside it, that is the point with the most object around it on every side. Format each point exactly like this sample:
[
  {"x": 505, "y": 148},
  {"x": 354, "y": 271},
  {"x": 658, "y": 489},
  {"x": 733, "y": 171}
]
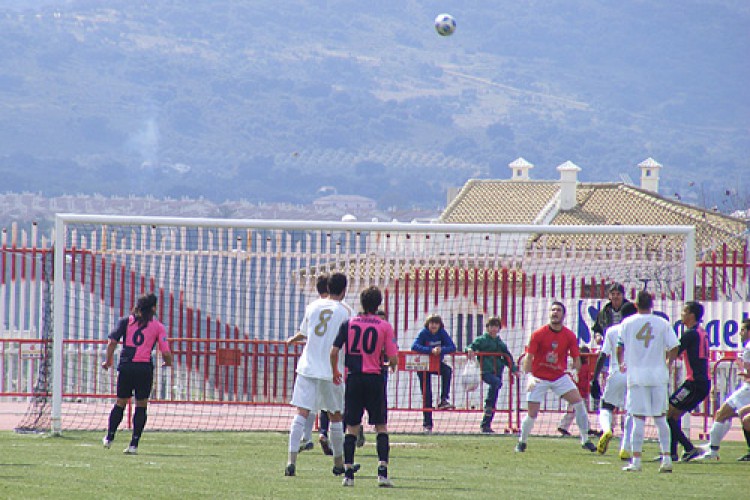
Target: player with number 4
[{"x": 647, "y": 344}]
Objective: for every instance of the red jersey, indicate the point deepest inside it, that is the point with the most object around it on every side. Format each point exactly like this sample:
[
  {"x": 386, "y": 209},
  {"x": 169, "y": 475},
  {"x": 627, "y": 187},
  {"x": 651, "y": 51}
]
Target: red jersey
[{"x": 550, "y": 350}]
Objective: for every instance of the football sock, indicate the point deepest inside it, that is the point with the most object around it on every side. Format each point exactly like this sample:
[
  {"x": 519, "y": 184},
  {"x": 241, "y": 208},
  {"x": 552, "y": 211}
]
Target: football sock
[
  {"x": 627, "y": 434},
  {"x": 747, "y": 437},
  {"x": 718, "y": 431},
  {"x": 638, "y": 433},
  {"x": 582, "y": 420},
  {"x": 675, "y": 426},
  {"x": 324, "y": 423},
  {"x": 336, "y": 435},
  {"x": 566, "y": 419},
  {"x": 350, "y": 445},
  {"x": 605, "y": 419},
  {"x": 383, "y": 446},
  {"x": 295, "y": 434},
  {"x": 139, "y": 422},
  {"x": 663, "y": 433},
  {"x": 307, "y": 433},
  {"x": 115, "y": 417},
  {"x": 526, "y": 426}
]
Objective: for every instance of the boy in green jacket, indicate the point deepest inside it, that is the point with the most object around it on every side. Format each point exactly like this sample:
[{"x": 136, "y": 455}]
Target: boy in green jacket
[{"x": 493, "y": 361}]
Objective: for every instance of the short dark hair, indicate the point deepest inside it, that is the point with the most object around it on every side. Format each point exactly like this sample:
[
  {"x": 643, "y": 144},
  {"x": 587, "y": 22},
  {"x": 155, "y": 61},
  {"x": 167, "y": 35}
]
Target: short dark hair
[
  {"x": 337, "y": 283},
  {"x": 494, "y": 321},
  {"x": 696, "y": 309},
  {"x": 644, "y": 300},
  {"x": 371, "y": 298},
  {"x": 616, "y": 287},
  {"x": 322, "y": 284},
  {"x": 558, "y": 303},
  {"x": 434, "y": 318},
  {"x": 746, "y": 323}
]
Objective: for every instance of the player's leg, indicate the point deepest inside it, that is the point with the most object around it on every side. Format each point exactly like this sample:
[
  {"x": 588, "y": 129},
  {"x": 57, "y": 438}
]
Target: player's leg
[
  {"x": 304, "y": 397},
  {"x": 125, "y": 390},
  {"x": 377, "y": 411},
  {"x": 323, "y": 426},
  {"x": 536, "y": 391},
  {"x": 721, "y": 426},
  {"x": 744, "y": 414},
  {"x": 638, "y": 405},
  {"x": 306, "y": 441},
  {"x": 659, "y": 397},
  {"x": 573, "y": 397},
  {"x": 567, "y": 418},
  {"x": 143, "y": 381},
  {"x": 446, "y": 375},
  {"x": 639, "y": 424},
  {"x": 626, "y": 445}
]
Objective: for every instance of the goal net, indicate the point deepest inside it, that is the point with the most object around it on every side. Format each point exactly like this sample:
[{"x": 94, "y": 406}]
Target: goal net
[{"x": 231, "y": 292}]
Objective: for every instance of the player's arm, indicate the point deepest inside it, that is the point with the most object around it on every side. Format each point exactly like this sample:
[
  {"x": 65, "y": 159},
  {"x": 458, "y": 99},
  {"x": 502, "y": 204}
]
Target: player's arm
[
  {"x": 527, "y": 362},
  {"x": 110, "y": 356},
  {"x": 334, "y": 358},
  {"x": 297, "y": 337},
  {"x": 620, "y": 355},
  {"x": 595, "y": 388},
  {"x": 577, "y": 363},
  {"x": 672, "y": 354}
]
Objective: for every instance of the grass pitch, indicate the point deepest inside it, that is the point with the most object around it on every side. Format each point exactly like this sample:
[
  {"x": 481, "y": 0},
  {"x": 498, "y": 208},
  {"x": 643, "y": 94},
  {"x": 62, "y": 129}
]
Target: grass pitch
[{"x": 251, "y": 465}]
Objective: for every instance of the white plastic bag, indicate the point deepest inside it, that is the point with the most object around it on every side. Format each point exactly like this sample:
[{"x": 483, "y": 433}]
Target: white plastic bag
[{"x": 471, "y": 376}]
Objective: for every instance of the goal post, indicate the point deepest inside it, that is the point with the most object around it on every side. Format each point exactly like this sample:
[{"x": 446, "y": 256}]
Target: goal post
[{"x": 231, "y": 292}]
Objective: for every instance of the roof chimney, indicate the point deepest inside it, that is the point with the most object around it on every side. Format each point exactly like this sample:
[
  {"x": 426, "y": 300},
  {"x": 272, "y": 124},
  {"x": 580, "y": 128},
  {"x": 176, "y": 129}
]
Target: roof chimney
[
  {"x": 650, "y": 174},
  {"x": 520, "y": 169},
  {"x": 568, "y": 182}
]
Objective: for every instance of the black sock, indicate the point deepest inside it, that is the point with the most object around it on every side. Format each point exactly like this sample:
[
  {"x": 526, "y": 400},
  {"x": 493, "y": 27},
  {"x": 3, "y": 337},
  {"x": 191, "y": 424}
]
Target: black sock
[
  {"x": 675, "y": 428},
  {"x": 350, "y": 444},
  {"x": 747, "y": 437},
  {"x": 115, "y": 417},
  {"x": 383, "y": 446},
  {"x": 139, "y": 422}
]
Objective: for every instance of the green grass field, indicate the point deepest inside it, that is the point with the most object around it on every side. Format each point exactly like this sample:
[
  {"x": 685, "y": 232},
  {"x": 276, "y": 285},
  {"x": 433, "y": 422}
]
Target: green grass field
[{"x": 251, "y": 465}]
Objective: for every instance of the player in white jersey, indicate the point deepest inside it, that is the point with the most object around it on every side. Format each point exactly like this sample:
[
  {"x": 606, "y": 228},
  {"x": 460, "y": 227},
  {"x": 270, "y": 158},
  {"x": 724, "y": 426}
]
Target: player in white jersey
[
  {"x": 647, "y": 343},
  {"x": 314, "y": 387},
  {"x": 735, "y": 402},
  {"x": 614, "y": 391}
]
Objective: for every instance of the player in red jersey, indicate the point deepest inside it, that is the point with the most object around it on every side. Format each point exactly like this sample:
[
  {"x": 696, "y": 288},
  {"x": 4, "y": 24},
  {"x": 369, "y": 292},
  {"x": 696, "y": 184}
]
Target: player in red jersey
[
  {"x": 546, "y": 361},
  {"x": 365, "y": 339},
  {"x": 139, "y": 333}
]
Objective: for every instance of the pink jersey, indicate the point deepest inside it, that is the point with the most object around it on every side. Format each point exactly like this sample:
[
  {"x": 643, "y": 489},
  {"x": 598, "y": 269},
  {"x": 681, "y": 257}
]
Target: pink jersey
[
  {"x": 138, "y": 342},
  {"x": 366, "y": 338}
]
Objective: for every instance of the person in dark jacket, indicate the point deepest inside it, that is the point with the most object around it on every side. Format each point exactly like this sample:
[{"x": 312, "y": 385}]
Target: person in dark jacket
[
  {"x": 494, "y": 356},
  {"x": 434, "y": 340}
]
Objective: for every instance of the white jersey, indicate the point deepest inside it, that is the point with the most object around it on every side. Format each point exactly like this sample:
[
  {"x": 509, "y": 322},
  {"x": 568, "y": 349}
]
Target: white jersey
[
  {"x": 645, "y": 339},
  {"x": 321, "y": 323},
  {"x": 746, "y": 361},
  {"x": 610, "y": 347}
]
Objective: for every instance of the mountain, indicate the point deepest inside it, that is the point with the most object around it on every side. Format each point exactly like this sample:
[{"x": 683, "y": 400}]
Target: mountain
[{"x": 271, "y": 101}]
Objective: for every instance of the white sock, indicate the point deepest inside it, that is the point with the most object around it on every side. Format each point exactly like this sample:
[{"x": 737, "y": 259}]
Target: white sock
[
  {"x": 582, "y": 420},
  {"x": 718, "y": 431},
  {"x": 336, "y": 435},
  {"x": 526, "y": 426},
  {"x": 627, "y": 434},
  {"x": 605, "y": 420},
  {"x": 665, "y": 436},
  {"x": 638, "y": 432},
  {"x": 307, "y": 434},
  {"x": 295, "y": 434}
]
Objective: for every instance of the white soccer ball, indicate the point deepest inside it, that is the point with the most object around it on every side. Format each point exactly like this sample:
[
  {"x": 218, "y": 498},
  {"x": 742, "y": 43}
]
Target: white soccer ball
[{"x": 445, "y": 25}]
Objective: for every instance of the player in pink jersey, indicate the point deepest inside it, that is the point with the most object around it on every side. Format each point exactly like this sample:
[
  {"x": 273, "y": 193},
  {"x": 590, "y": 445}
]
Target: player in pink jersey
[
  {"x": 365, "y": 339},
  {"x": 139, "y": 333}
]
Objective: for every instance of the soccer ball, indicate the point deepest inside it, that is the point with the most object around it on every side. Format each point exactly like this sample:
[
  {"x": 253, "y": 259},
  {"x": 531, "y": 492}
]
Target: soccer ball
[{"x": 445, "y": 25}]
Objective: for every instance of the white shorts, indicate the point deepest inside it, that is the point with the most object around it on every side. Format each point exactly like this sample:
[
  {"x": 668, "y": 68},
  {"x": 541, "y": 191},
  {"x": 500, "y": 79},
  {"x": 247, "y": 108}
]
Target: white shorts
[
  {"x": 648, "y": 400},
  {"x": 615, "y": 388},
  {"x": 538, "y": 388},
  {"x": 317, "y": 394},
  {"x": 740, "y": 397}
]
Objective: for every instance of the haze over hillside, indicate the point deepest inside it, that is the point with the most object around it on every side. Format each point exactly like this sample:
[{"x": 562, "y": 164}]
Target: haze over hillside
[{"x": 270, "y": 101}]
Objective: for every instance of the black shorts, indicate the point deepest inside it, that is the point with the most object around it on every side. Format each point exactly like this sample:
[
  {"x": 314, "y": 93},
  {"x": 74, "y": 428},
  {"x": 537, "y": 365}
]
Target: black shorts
[
  {"x": 689, "y": 395},
  {"x": 365, "y": 391},
  {"x": 135, "y": 378}
]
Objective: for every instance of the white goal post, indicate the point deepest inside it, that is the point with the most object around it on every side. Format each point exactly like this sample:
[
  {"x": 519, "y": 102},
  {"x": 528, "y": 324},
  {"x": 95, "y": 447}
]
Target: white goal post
[{"x": 418, "y": 265}]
